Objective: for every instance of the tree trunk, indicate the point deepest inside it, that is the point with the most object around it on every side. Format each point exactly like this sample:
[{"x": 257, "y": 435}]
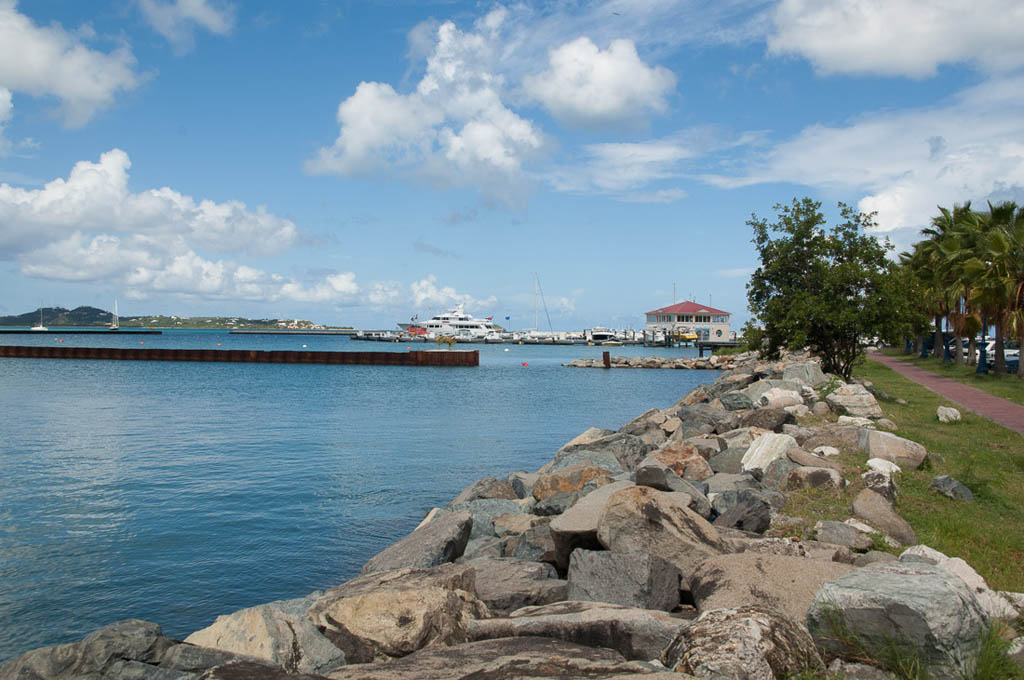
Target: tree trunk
[
  {"x": 972, "y": 352},
  {"x": 937, "y": 349},
  {"x": 1000, "y": 363},
  {"x": 1020, "y": 364}
]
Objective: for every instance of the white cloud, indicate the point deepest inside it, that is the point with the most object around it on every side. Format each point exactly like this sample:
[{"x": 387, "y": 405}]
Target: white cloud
[
  {"x": 899, "y": 37},
  {"x": 454, "y": 129},
  {"x": 587, "y": 86},
  {"x": 657, "y": 196},
  {"x": 49, "y": 61},
  {"x": 178, "y": 20},
  {"x": 90, "y": 227},
  {"x": 95, "y": 197},
  {"x": 904, "y": 163},
  {"x": 6, "y": 107},
  {"x": 427, "y": 294},
  {"x": 384, "y": 293},
  {"x": 737, "y": 273},
  {"x": 622, "y": 166}
]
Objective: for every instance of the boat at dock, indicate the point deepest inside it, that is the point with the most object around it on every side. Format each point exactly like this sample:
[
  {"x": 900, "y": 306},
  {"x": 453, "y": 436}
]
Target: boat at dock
[{"x": 455, "y": 323}]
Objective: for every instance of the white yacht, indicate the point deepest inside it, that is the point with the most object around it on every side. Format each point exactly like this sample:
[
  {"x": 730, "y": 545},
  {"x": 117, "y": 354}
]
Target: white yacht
[{"x": 456, "y": 323}]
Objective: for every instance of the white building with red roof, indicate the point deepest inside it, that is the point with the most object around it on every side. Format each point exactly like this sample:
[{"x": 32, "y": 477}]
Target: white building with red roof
[{"x": 691, "y": 318}]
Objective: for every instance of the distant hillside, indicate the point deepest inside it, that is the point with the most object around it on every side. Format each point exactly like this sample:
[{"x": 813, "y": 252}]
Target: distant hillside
[
  {"x": 58, "y": 316},
  {"x": 91, "y": 316}
]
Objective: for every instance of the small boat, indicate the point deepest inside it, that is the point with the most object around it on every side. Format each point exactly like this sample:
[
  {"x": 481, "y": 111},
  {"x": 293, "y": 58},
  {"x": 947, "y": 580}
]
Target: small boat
[
  {"x": 40, "y": 327},
  {"x": 114, "y": 325}
]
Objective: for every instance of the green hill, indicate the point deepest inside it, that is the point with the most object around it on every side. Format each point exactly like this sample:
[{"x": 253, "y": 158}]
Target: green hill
[
  {"x": 58, "y": 316},
  {"x": 91, "y": 316}
]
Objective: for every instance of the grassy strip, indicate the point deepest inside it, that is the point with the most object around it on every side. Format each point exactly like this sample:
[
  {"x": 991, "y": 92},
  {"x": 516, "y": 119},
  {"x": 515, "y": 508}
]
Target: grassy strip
[
  {"x": 1008, "y": 386},
  {"x": 988, "y": 533}
]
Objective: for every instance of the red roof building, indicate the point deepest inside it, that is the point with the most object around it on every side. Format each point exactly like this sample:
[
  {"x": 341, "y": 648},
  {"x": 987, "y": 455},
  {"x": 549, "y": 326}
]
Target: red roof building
[{"x": 691, "y": 318}]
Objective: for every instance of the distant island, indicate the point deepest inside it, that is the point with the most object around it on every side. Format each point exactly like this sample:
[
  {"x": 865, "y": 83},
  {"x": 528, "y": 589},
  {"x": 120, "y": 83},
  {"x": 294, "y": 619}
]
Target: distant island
[{"x": 93, "y": 316}]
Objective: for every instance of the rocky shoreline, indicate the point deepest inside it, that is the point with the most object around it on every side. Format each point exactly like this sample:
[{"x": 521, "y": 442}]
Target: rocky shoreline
[
  {"x": 714, "y": 362},
  {"x": 659, "y": 549}
]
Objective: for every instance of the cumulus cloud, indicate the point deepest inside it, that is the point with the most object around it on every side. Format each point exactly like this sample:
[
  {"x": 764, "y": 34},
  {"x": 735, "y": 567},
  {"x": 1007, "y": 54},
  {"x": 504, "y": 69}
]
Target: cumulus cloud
[
  {"x": 384, "y": 293},
  {"x": 50, "y": 61},
  {"x": 90, "y": 227},
  {"x": 587, "y": 86},
  {"x": 454, "y": 129},
  {"x": 899, "y": 37},
  {"x": 907, "y": 162},
  {"x": 427, "y": 294},
  {"x": 177, "y": 21}
]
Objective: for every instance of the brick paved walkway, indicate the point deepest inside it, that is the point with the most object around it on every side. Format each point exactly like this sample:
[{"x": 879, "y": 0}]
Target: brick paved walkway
[{"x": 997, "y": 409}]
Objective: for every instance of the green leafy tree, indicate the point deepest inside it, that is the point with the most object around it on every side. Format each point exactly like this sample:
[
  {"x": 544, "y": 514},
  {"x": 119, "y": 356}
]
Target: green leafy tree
[{"x": 827, "y": 290}]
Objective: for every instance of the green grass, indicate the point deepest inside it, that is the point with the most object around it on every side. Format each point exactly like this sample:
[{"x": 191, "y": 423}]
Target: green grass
[
  {"x": 1007, "y": 386},
  {"x": 989, "y": 532}
]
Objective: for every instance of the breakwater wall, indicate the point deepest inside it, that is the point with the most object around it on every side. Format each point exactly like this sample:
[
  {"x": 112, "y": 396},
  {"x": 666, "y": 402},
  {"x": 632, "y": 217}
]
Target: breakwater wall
[{"x": 412, "y": 358}]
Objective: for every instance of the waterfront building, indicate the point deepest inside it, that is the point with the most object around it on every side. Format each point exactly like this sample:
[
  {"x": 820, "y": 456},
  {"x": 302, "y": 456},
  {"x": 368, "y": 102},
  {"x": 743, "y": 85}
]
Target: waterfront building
[{"x": 701, "y": 322}]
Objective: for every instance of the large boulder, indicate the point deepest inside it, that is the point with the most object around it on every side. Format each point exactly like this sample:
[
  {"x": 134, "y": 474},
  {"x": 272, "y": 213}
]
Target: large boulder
[
  {"x": 570, "y": 479},
  {"x": 839, "y": 437},
  {"x": 840, "y": 533},
  {"x": 513, "y": 657},
  {"x": 758, "y": 389},
  {"x": 877, "y": 511},
  {"x": 506, "y": 584},
  {"x": 736, "y": 401},
  {"x": 683, "y": 459},
  {"x": 785, "y": 583},
  {"x": 751, "y": 642},
  {"x": 627, "y": 579},
  {"x": 854, "y": 400},
  {"x": 626, "y": 449},
  {"x": 771, "y": 419},
  {"x": 108, "y": 652},
  {"x": 655, "y": 474},
  {"x": 994, "y": 604},
  {"x": 777, "y": 397},
  {"x": 887, "y": 446},
  {"x": 488, "y": 487},
  {"x": 917, "y": 608},
  {"x": 753, "y": 516},
  {"x": 730, "y": 461},
  {"x": 634, "y": 633},
  {"x": 641, "y": 519},
  {"x": 441, "y": 540},
  {"x": 535, "y": 544},
  {"x": 577, "y": 526},
  {"x": 765, "y": 449},
  {"x": 806, "y": 372},
  {"x": 391, "y": 614},
  {"x": 483, "y": 511},
  {"x": 278, "y": 633}
]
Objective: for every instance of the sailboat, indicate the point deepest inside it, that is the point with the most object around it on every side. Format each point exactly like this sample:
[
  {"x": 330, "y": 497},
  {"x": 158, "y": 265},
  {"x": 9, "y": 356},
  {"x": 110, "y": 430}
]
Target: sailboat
[
  {"x": 40, "y": 327},
  {"x": 113, "y": 323}
]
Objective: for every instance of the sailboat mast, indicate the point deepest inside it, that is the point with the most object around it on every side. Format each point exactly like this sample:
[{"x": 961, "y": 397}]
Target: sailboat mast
[{"x": 536, "y": 318}]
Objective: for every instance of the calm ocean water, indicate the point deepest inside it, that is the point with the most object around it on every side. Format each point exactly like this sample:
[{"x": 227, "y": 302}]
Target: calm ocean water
[{"x": 175, "y": 492}]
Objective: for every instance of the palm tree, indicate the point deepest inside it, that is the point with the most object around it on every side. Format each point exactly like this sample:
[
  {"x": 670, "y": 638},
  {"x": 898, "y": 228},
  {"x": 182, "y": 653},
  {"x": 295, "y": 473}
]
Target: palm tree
[{"x": 1004, "y": 251}]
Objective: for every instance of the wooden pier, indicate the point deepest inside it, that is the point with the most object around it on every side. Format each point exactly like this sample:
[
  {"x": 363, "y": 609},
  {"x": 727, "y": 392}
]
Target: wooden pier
[{"x": 411, "y": 358}]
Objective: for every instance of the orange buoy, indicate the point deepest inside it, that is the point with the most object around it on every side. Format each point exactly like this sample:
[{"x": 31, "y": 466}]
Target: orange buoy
[
  {"x": 218, "y": 344},
  {"x": 141, "y": 342},
  {"x": 525, "y": 364}
]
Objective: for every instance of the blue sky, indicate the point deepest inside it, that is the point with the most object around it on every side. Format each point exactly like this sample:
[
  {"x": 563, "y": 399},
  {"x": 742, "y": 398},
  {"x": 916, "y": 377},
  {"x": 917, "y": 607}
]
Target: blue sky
[{"x": 361, "y": 162}]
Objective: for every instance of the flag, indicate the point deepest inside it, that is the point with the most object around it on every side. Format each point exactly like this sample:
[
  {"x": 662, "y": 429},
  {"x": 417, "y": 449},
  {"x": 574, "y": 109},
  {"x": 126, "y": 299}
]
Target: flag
[
  {"x": 507, "y": 318},
  {"x": 490, "y": 318}
]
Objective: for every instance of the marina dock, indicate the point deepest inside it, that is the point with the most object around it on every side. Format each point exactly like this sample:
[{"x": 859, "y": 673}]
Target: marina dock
[{"x": 411, "y": 358}]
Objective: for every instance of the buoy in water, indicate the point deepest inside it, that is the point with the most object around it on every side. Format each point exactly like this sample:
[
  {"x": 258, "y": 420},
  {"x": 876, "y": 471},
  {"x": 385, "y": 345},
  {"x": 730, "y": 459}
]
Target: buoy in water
[
  {"x": 303, "y": 346},
  {"x": 218, "y": 344},
  {"x": 525, "y": 364},
  {"x": 506, "y": 349}
]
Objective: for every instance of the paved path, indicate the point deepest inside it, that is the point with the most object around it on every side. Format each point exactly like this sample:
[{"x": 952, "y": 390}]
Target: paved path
[{"x": 1006, "y": 413}]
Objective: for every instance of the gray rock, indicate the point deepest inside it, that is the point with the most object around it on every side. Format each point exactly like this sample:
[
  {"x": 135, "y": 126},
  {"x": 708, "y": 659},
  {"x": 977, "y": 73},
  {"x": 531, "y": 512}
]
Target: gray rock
[
  {"x": 778, "y": 474},
  {"x": 556, "y": 504},
  {"x": 576, "y": 456},
  {"x": 839, "y": 533},
  {"x": 252, "y": 670},
  {"x": 725, "y": 500},
  {"x": 880, "y": 483},
  {"x": 628, "y": 579},
  {"x": 951, "y": 488},
  {"x": 766, "y": 449},
  {"x": 95, "y": 656},
  {"x": 742, "y": 643},
  {"x": 918, "y": 607},
  {"x": 707, "y": 446},
  {"x": 757, "y": 390},
  {"x": 878, "y": 512},
  {"x": 736, "y": 401},
  {"x": 843, "y": 438},
  {"x": 905, "y": 453},
  {"x": 522, "y": 483},
  {"x": 634, "y": 633},
  {"x": 187, "y": 658},
  {"x": 873, "y": 557},
  {"x": 858, "y": 671},
  {"x": 754, "y": 516},
  {"x": 820, "y": 409},
  {"x": 767, "y": 419},
  {"x": 814, "y": 478},
  {"x": 854, "y": 400},
  {"x": 640, "y": 519},
  {"x": 787, "y": 583},
  {"x": 653, "y": 473},
  {"x": 801, "y": 457},
  {"x": 723, "y": 481},
  {"x": 730, "y": 460},
  {"x": 441, "y": 540},
  {"x": 519, "y": 657},
  {"x": 488, "y": 487},
  {"x": 136, "y": 670},
  {"x": 278, "y": 633},
  {"x": 947, "y": 414},
  {"x": 577, "y": 527},
  {"x": 806, "y": 372},
  {"x": 506, "y": 584},
  {"x": 533, "y": 545},
  {"x": 627, "y": 449},
  {"x": 477, "y": 548}
]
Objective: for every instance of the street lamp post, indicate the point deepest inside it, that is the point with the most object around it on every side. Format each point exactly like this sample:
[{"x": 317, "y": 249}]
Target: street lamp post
[{"x": 982, "y": 354}]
